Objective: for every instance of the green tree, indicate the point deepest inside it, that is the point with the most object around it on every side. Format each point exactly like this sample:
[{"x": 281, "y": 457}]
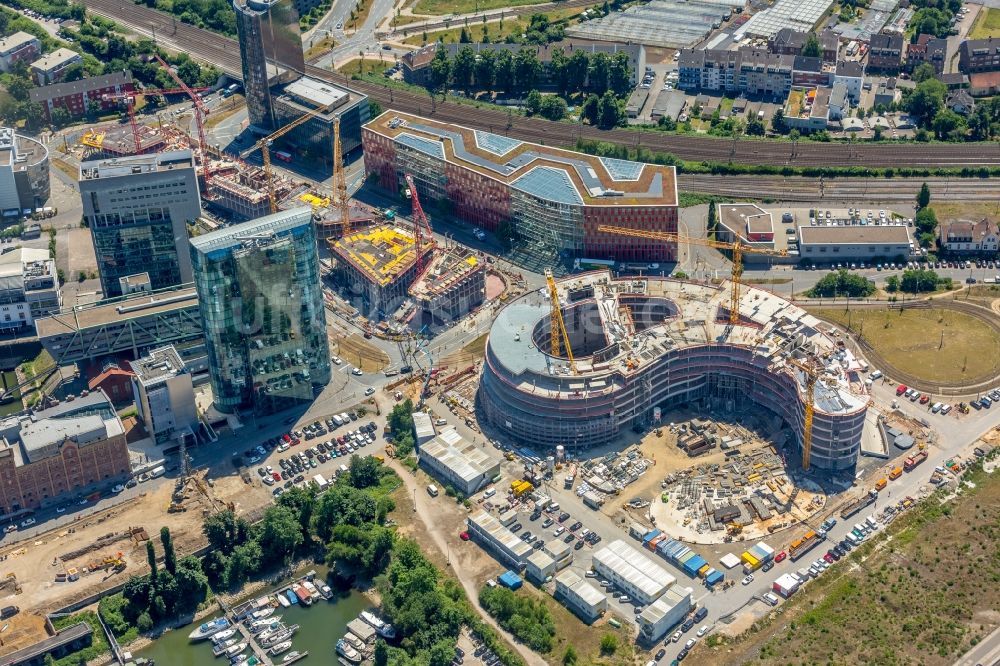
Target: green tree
[
  {"x": 609, "y": 644},
  {"x": 926, "y": 100},
  {"x": 923, "y": 196},
  {"x": 811, "y": 48},
  {"x": 169, "y": 558},
  {"x": 526, "y": 69},
  {"x": 842, "y": 283},
  {"x": 464, "y": 38},
  {"x": 892, "y": 284},
  {"x": 74, "y": 72},
  {"x": 923, "y": 72},
  {"x": 364, "y": 471},
  {"x": 533, "y": 102},
  {"x": 609, "y": 112},
  {"x": 279, "y": 534},
  {"x": 576, "y": 71},
  {"x": 143, "y": 623},
  {"x": 619, "y": 74},
  {"x": 589, "y": 110},
  {"x": 948, "y": 125},
  {"x": 19, "y": 87},
  {"x": 755, "y": 127},
  {"x": 485, "y": 70},
  {"x": 504, "y": 71},
  {"x": 462, "y": 68},
  {"x": 440, "y": 68},
  {"x": 59, "y": 117},
  {"x": 598, "y": 73},
  {"x": 569, "y": 656},
  {"x": 778, "y": 123},
  {"x": 713, "y": 217},
  {"x": 916, "y": 281},
  {"x": 151, "y": 559},
  {"x": 225, "y": 531},
  {"x": 553, "y": 108},
  {"x": 559, "y": 70},
  {"x": 380, "y": 656}
]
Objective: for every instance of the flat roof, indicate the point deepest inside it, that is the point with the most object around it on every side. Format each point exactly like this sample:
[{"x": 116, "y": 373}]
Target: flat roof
[
  {"x": 58, "y": 57},
  {"x": 444, "y": 268},
  {"x": 316, "y": 92},
  {"x": 738, "y": 218},
  {"x": 635, "y": 567},
  {"x": 382, "y": 254},
  {"x": 465, "y": 460},
  {"x": 674, "y": 596},
  {"x": 501, "y": 534},
  {"x": 133, "y": 165},
  {"x": 18, "y": 39},
  {"x": 157, "y": 365},
  {"x": 238, "y": 234},
  {"x": 555, "y": 174},
  {"x": 116, "y": 310},
  {"x": 883, "y": 234}
]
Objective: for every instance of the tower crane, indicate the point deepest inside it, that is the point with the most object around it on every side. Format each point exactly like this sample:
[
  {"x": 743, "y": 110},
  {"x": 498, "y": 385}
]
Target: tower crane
[
  {"x": 265, "y": 150},
  {"x": 811, "y": 370},
  {"x": 557, "y": 325},
  {"x": 738, "y": 249},
  {"x": 340, "y": 182},
  {"x": 420, "y": 224},
  {"x": 129, "y": 99},
  {"x": 199, "y": 118}
]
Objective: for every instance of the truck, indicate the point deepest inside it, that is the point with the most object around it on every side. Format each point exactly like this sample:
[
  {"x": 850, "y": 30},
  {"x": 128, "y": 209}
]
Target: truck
[
  {"x": 283, "y": 156},
  {"x": 911, "y": 462},
  {"x": 803, "y": 545},
  {"x": 593, "y": 500},
  {"x": 881, "y": 483},
  {"x": 856, "y": 505},
  {"x": 896, "y": 473},
  {"x": 157, "y": 472}
]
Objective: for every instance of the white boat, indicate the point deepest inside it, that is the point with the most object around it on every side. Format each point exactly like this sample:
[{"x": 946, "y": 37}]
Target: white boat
[
  {"x": 234, "y": 650},
  {"x": 283, "y": 600},
  {"x": 279, "y": 648},
  {"x": 279, "y": 636},
  {"x": 223, "y": 636},
  {"x": 354, "y": 641},
  {"x": 325, "y": 590},
  {"x": 262, "y": 625},
  {"x": 208, "y": 629},
  {"x": 221, "y": 648},
  {"x": 263, "y": 613},
  {"x": 291, "y": 656},
  {"x": 311, "y": 589},
  {"x": 264, "y": 635},
  {"x": 238, "y": 659},
  {"x": 384, "y": 629},
  {"x": 347, "y": 652}
]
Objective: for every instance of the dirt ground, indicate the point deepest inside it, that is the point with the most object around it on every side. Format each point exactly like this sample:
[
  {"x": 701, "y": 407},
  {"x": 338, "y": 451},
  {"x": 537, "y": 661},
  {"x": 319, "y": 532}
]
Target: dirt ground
[
  {"x": 925, "y": 595},
  {"x": 359, "y": 353}
]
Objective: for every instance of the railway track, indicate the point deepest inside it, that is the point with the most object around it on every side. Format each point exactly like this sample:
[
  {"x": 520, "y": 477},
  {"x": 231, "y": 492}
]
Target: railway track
[
  {"x": 852, "y": 190},
  {"x": 223, "y": 52}
]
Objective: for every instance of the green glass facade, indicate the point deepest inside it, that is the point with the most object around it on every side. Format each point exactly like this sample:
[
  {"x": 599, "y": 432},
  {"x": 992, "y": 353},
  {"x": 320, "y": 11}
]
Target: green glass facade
[
  {"x": 261, "y": 305},
  {"x": 127, "y": 247}
]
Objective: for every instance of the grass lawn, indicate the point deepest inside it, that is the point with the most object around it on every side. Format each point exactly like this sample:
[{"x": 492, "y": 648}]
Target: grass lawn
[
  {"x": 937, "y": 344},
  {"x": 981, "y": 294},
  {"x": 366, "y": 66},
  {"x": 465, "y": 6},
  {"x": 987, "y": 24},
  {"x": 515, "y": 26},
  {"x": 924, "y": 596},
  {"x": 98, "y": 647},
  {"x": 965, "y": 210}
]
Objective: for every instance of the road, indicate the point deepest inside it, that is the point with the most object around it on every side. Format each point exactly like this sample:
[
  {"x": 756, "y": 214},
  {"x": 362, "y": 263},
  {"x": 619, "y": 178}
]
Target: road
[
  {"x": 986, "y": 653},
  {"x": 223, "y": 52}
]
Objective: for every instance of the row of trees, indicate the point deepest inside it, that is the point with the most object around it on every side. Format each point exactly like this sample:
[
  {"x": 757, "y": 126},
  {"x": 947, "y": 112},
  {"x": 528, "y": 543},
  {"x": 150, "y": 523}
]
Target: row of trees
[
  {"x": 917, "y": 281},
  {"x": 525, "y": 617},
  {"x": 842, "y": 283},
  {"x": 217, "y": 15}
]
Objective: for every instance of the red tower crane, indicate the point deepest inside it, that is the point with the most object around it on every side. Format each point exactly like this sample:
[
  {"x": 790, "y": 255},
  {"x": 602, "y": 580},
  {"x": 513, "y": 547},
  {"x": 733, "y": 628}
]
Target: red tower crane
[
  {"x": 129, "y": 99},
  {"x": 420, "y": 224},
  {"x": 199, "y": 118}
]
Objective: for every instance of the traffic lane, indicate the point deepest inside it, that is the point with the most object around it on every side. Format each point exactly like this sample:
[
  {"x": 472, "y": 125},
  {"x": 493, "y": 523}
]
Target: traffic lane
[{"x": 985, "y": 653}]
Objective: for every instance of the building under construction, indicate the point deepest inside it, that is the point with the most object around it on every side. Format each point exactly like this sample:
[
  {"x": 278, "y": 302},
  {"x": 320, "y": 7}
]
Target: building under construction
[
  {"x": 453, "y": 284},
  {"x": 377, "y": 267},
  {"x": 640, "y": 345}
]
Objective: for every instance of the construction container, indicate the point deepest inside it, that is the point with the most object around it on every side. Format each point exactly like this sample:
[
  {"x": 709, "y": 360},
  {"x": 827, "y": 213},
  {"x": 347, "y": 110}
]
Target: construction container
[
  {"x": 649, "y": 536},
  {"x": 896, "y": 473},
  {"x": 692, "y": 565},
  {"x": 704, "y": 571},
  {"x": 655, "y": 542},
  {"x": 714, "y": 577},
  {"x": 510, "y": 579},
  {"x": 665, "y": 546},
  {"x": 685, "y": 557}
]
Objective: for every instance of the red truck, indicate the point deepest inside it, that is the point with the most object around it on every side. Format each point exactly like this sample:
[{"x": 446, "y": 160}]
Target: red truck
[{"x": 912, "y": 461}]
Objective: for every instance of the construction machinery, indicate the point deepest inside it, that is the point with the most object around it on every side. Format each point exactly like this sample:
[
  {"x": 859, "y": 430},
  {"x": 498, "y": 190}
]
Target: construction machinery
[
  {"x": 420, "y": 225},
  {"x": 557, "y": 325},
  {"x": 738, "y": 249},
  {"x": 265, "y": 149},
  {"x": 811, "y": 368},
  {"x": 340, "y": 182},
  {"x": 90, "y": 138},
  {"x": 199, "y": 120}
]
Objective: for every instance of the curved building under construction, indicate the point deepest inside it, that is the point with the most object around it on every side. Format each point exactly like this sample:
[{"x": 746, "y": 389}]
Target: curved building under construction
[{"x": 642, "y": 344}]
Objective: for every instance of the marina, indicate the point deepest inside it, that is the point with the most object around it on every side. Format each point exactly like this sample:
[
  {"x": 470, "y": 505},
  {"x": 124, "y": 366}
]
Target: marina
[{"x": 263, "y": 631}]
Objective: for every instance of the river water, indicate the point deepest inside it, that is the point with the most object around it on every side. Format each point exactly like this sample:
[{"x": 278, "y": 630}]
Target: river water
[{"x": 320, "y": 625}]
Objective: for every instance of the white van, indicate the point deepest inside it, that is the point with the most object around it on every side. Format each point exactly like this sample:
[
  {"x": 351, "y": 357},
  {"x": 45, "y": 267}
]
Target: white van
[
  {"x": 945, "y": 409},
  {"x": 490, "y": 492},
  {"x": 432, "y": 490},
  {"x": 937, "y": 407},
  {"x": 337, "y": 420}
]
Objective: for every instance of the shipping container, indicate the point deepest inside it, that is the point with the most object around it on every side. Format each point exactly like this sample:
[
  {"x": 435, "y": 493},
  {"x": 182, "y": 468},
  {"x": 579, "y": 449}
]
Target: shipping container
[
  {"x": 651, "y": 545},
  {"x": 714, "y": 577},
  {"x": 693, "y": 565},
  {"x": 649, "y": 536},
  {"x": 803, "y": 545}
]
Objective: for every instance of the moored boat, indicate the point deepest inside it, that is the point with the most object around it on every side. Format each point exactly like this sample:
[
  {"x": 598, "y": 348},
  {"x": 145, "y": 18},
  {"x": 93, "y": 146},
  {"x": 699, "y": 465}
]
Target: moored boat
[
  {"x": 207, "y": 629},
  {"x": 219, "y": 649},
  {"x": 325, "y": 590},
  {"x": 263, "y": 625},
  {"x": 354, "y": 641},
  {"x": 283, "y": 600},
  {"x": 279, "y": 648},
  {"x": 224, "y": 635},
  {"x": 291, "y": 596},
  {"x": 311, "y": 589},
  {"x": 303, "y": 594},
  {"x": 234, "y": 650},
  {"x": 263, "y": 613},
  {"x": 291, "y": 656},
  {"x": 384, "y": 629},
  {"x": 347, "y": 652},
  {"x": 279, "y": 636}
]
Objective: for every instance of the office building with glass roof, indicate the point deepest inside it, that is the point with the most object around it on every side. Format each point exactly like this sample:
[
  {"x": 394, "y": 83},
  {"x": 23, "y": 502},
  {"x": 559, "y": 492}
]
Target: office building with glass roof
[{"x": 548, "y": 198}]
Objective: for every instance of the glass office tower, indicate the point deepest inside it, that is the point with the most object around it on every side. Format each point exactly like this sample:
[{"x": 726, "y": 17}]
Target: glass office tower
[{"x": 261, "y": 306}]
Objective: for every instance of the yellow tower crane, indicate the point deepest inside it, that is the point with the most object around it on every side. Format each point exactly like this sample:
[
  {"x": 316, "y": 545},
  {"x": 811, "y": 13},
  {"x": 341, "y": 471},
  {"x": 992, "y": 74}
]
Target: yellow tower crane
[
  {"x": 811, "y": 370},
  {"x": 738, "y": 249},
  {"x": 557, "y": 326},
  {"x": 340, "y": 182},
  {"x": 265, "y": 150}
]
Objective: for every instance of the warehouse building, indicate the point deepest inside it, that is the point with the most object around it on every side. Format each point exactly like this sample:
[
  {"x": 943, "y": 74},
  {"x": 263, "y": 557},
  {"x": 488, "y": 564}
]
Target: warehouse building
[
  {"x": 499, "y": 541},
  {"x": 423, "y": 428},
  {"x": 665, "y": 23},
  {"x": 745, "y": 221},
  {"x": 632, "y": 572},
  {"x": 665, "y": 613},
  {"x": 852, "y": 243},
  {"x": 552, "y": 200},
  {"x": 458, "y": 463},
  {"x": 580, "y": 596}
]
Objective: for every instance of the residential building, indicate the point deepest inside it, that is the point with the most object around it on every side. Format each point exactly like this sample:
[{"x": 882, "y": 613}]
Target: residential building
[
  {"x": 664, "y": 614},
  {"x": 29, "y": 288},
  {"x": 164, "y": 395},
  {"x": 262, "y": 312},
  {"x": 748, "y": 71},
  {"x": 810, "y": 72},
  {"x": 788, "y": 41},
  {"x": 886, "y": 53},
  {"x": 18, "y": 47},
  {"x": 811, "y": 112},
  {"x": 886, "y": 93},
  {"x": 969, "y": 237},
  {"x": 138, "y": 209},
  {"x": 927, "y": 48},
  {"x": 115, "y": 379},
  {"x": 24, "y": 174},
  {"x": 960, "y": 101},
  {"x": 826, "y": 244},
  {"x": 416, "y": 65},
  {"x": 632, "y": 572},
  {"x": 851, "y": 73},
  {"x": 270, "y": 53},
  {"x": 49, "y": 68},
  {"x": 839, "y": 103},
  {"x": 580, "y": 596},
  {"x": 78, "y": 97},
  {"x": 979, "y": 55},
  {"x": 545, "y": 197},
  {"x": 458, "y": 463},
  {"x": 73, "y": 448}
]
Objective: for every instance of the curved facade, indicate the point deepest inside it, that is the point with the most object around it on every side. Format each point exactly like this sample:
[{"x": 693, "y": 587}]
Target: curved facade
[
  {"x": 648, "y": 343},
  {"x": 24, "y": 172}
]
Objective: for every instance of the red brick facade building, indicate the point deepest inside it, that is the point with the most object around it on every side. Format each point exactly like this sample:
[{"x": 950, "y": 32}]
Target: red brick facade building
[
  {"x": 76, "y": 96},
  {"x": 73, "y": 447}
]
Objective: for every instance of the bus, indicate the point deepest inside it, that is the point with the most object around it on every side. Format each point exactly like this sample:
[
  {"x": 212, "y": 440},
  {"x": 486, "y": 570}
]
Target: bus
[{"x": 283, "y": 156}]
